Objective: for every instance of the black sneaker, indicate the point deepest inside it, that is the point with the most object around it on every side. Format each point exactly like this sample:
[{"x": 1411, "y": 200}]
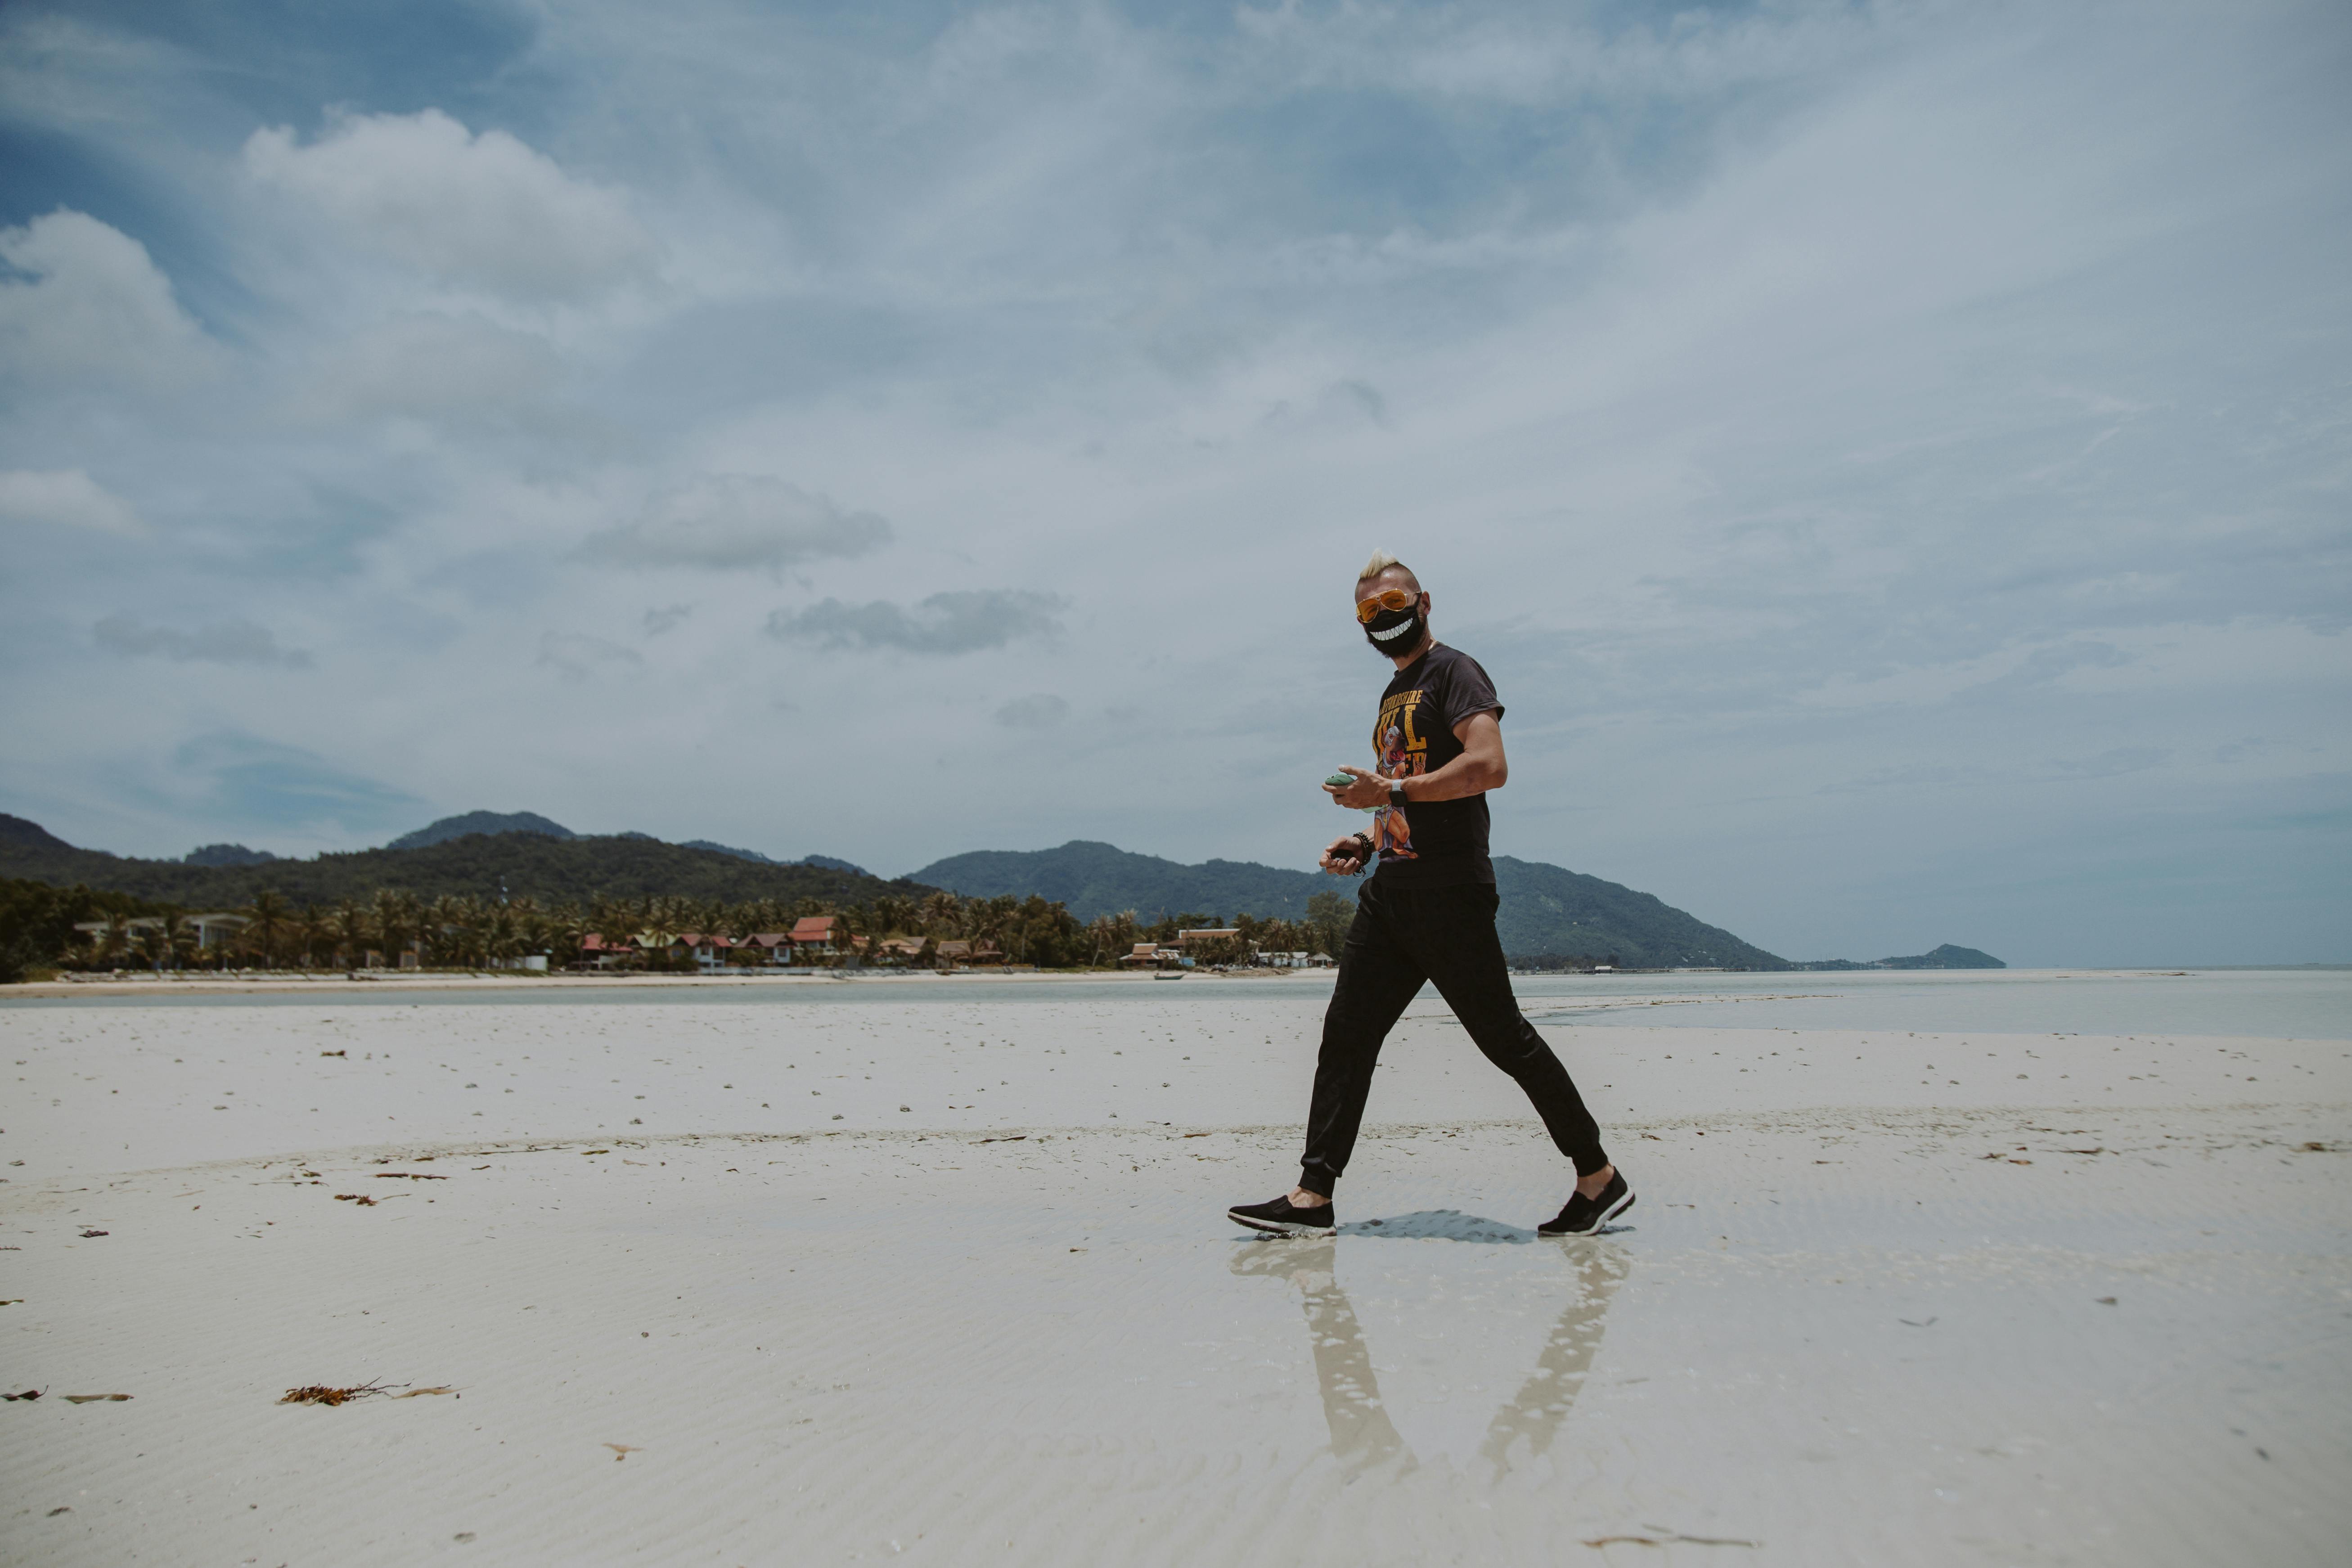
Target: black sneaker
[
  {"x": 1584, "y": 1216},
  {"x": 1281, "y": 1218}
]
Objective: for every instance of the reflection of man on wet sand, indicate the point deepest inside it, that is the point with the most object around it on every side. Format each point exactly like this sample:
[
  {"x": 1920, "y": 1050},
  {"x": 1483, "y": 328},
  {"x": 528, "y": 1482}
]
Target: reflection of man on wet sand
[
  {"x": 1427, "y": 915},
  {"x": 1363, "y": 1436}
]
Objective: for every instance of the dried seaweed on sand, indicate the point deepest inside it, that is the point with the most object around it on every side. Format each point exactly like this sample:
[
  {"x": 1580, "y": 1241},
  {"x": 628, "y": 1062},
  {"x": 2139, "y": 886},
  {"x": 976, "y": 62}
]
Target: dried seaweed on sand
[{"x": 318, "y": 1394}]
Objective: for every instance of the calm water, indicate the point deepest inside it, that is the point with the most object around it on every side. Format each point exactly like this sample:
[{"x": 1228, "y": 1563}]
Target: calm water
[{"x": 2274, "y": 1003}]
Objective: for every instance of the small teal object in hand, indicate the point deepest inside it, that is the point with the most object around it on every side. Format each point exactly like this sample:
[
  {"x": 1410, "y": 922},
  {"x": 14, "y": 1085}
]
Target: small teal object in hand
[{"x": 1341, "y": 781}]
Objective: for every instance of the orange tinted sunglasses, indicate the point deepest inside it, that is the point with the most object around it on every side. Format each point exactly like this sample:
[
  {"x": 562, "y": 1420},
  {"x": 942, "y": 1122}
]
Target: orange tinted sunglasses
[{"x": 1386, "y": 599}]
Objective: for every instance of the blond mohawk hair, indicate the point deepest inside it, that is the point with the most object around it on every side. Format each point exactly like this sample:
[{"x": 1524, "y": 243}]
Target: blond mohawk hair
[{"x": 1381, "y": 560}]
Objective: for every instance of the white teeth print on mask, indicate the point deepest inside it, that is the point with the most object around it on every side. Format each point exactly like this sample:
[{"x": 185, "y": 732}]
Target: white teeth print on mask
[{"x": 1392, "y": 630}]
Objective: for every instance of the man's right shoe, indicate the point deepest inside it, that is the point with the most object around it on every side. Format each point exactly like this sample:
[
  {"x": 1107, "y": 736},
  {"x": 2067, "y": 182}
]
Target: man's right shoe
[
  {"x": 1281, "y": 1218},
  {"x": 1584, "y": 1217}
]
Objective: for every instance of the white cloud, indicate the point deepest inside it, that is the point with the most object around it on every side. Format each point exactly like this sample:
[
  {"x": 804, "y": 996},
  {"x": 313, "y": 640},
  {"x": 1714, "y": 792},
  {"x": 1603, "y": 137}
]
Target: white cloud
[
  {"x": 1038, "y": 710},
  {"x": 440, "y": 368},
  {"x": 483, "y": 210},
  {"x": 576, "y": 658},
  {"x": 93, "y": 310},
  {"x": 230, "y": 642},
  {"x": 66, "y": 497},
  {"x": 734, "y": 521},
  {"x": 963, "y": 621}
]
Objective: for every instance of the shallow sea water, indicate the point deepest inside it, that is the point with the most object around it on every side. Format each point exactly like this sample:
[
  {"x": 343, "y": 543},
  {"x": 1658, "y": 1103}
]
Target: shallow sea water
[{"x": 2267, "y": 1003}]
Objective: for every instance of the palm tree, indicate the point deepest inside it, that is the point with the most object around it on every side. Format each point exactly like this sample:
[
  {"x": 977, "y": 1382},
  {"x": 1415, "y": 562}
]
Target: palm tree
[
  {"x": 991, "y": 920},
  {"x": 310, "y": 933},
  {"x": 397, "y": 916},
  {"x": 470, "y": 932},
  {"x": 1113, "y": 936},
  {"x": 501, "y": 934},
  {"x": 111, "y": 940},
  {"x": 177, "y": 939},
  {"x": 350, "y": 925},
  {"x": 568, "y": 930},
  {"x": 267, "y": 925},
  {"x": 443, "y": 923},
  {"x": 533, "y": 928},
  {"x": 941, "y": 914}
]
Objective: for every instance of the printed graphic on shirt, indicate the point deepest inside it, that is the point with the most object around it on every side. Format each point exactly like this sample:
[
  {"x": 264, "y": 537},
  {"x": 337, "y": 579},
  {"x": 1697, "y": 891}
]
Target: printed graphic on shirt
[{"x": 1401, "y": 752}]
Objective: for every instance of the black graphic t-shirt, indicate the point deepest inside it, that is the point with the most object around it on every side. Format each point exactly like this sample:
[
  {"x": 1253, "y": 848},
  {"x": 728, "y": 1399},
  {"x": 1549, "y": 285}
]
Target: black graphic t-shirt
[{"x": 1431, "y": 843}]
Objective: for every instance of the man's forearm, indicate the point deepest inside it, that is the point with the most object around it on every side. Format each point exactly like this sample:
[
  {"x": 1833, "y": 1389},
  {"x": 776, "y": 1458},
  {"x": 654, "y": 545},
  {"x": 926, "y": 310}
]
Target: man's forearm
[{"x": 1464, "y": 775}]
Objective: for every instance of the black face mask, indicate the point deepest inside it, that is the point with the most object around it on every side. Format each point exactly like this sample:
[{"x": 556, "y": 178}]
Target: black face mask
[{"x": 1392, "y": 632}]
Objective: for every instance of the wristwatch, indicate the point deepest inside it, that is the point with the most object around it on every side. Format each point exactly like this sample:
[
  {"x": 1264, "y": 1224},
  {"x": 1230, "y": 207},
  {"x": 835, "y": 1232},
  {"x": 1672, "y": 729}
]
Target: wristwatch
[{"x": 1396, "y": 795}]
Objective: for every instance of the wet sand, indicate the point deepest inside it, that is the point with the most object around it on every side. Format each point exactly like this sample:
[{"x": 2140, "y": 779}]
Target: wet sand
[{"x": 1884, "y": 1299}]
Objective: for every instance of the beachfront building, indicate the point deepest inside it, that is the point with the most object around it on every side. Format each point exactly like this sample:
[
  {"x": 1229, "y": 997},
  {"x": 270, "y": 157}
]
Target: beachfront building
[
  {"x": 213, "y": 932},
  {"x": 598, "y": 951},
  {"x": 1216, "y": 945},
  {"x": 773, "y": 948},
  {"x": 708, "y": 950},
  {"x": 818, "y": 937}
]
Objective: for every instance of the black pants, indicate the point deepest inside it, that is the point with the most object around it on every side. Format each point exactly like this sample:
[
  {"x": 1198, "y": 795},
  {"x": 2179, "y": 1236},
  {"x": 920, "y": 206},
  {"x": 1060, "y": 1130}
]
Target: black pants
[{"x": 1402, "y": 936}]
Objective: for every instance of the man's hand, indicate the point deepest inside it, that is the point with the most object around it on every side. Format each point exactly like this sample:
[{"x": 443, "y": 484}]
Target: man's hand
[
  {"x": 1346, "y": 857},
  {"x": 1368, "y": 790}
]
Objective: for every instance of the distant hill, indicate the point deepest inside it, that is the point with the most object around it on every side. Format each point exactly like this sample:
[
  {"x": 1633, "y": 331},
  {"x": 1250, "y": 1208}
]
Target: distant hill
[
  {"x": 1546, "y": 911},
  {"x": 730, "y": 850},
  {"x": 1945, "y": 957},
  {"x": 568, "y": 870},
  {"x": 18, "y": 833},
  {"x": 227, "y": 854},
  {"x": 1095, "y": 879},
  {"x": 830, "y": 864},
  {"x": 827, "y": 861},
  {"x": 487, "y": 822}
]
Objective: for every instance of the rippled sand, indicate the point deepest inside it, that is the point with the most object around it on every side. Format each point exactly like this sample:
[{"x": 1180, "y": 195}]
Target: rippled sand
[{"x": 2094, "y": 1313}]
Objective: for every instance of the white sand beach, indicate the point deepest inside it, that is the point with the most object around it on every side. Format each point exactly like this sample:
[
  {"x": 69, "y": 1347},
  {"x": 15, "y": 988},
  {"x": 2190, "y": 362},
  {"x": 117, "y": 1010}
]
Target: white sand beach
[{"x": 928, "y": 1279}]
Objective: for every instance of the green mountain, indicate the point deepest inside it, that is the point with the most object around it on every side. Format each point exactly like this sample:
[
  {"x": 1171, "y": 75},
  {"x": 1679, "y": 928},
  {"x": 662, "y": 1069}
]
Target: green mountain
[
  {"x": 1945, "y": 957},
  {"x": 227, "y": 854},
  {"x": 1094, "y": 878},
  {"x": 485, "y": 822},
  {"x": 1546, "y": 912},
  {"x": 553, "y": 870}
]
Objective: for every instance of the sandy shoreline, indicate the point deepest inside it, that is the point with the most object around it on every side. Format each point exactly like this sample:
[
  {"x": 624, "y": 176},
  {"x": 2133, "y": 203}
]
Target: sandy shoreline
[
  {"x": 359, "y": 981},
  {"x": 1858, "y": 1317}
]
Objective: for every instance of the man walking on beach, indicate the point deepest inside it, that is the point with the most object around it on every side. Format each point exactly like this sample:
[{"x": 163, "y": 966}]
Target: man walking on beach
[{"x": 1427, "y": 914}]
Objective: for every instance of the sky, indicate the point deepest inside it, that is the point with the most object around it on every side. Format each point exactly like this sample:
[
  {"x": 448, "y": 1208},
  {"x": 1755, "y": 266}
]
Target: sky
[{"x": 1891, "y": 458}]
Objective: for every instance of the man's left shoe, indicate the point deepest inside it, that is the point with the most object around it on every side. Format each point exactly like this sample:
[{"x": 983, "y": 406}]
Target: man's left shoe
[
  {"x": 1584, "y": 1217},
  {"x": 1280, "y": 1217}
]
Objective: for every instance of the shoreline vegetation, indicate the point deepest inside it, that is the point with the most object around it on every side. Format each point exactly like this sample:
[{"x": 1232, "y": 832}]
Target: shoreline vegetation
[
  {"x": 80, "y": 930},
  {"x": 520, "y": 892}
]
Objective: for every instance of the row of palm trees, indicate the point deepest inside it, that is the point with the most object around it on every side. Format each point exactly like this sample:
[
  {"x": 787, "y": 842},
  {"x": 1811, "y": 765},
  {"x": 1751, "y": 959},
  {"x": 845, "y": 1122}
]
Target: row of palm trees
[{"x": 462, "y": 930}]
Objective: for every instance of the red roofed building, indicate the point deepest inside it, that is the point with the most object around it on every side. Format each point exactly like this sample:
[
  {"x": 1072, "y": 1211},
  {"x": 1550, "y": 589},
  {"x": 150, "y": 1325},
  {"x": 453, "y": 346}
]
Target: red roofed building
[
  {"x": 607, "y": 954},
  {"x": 819, "y": 934}
]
